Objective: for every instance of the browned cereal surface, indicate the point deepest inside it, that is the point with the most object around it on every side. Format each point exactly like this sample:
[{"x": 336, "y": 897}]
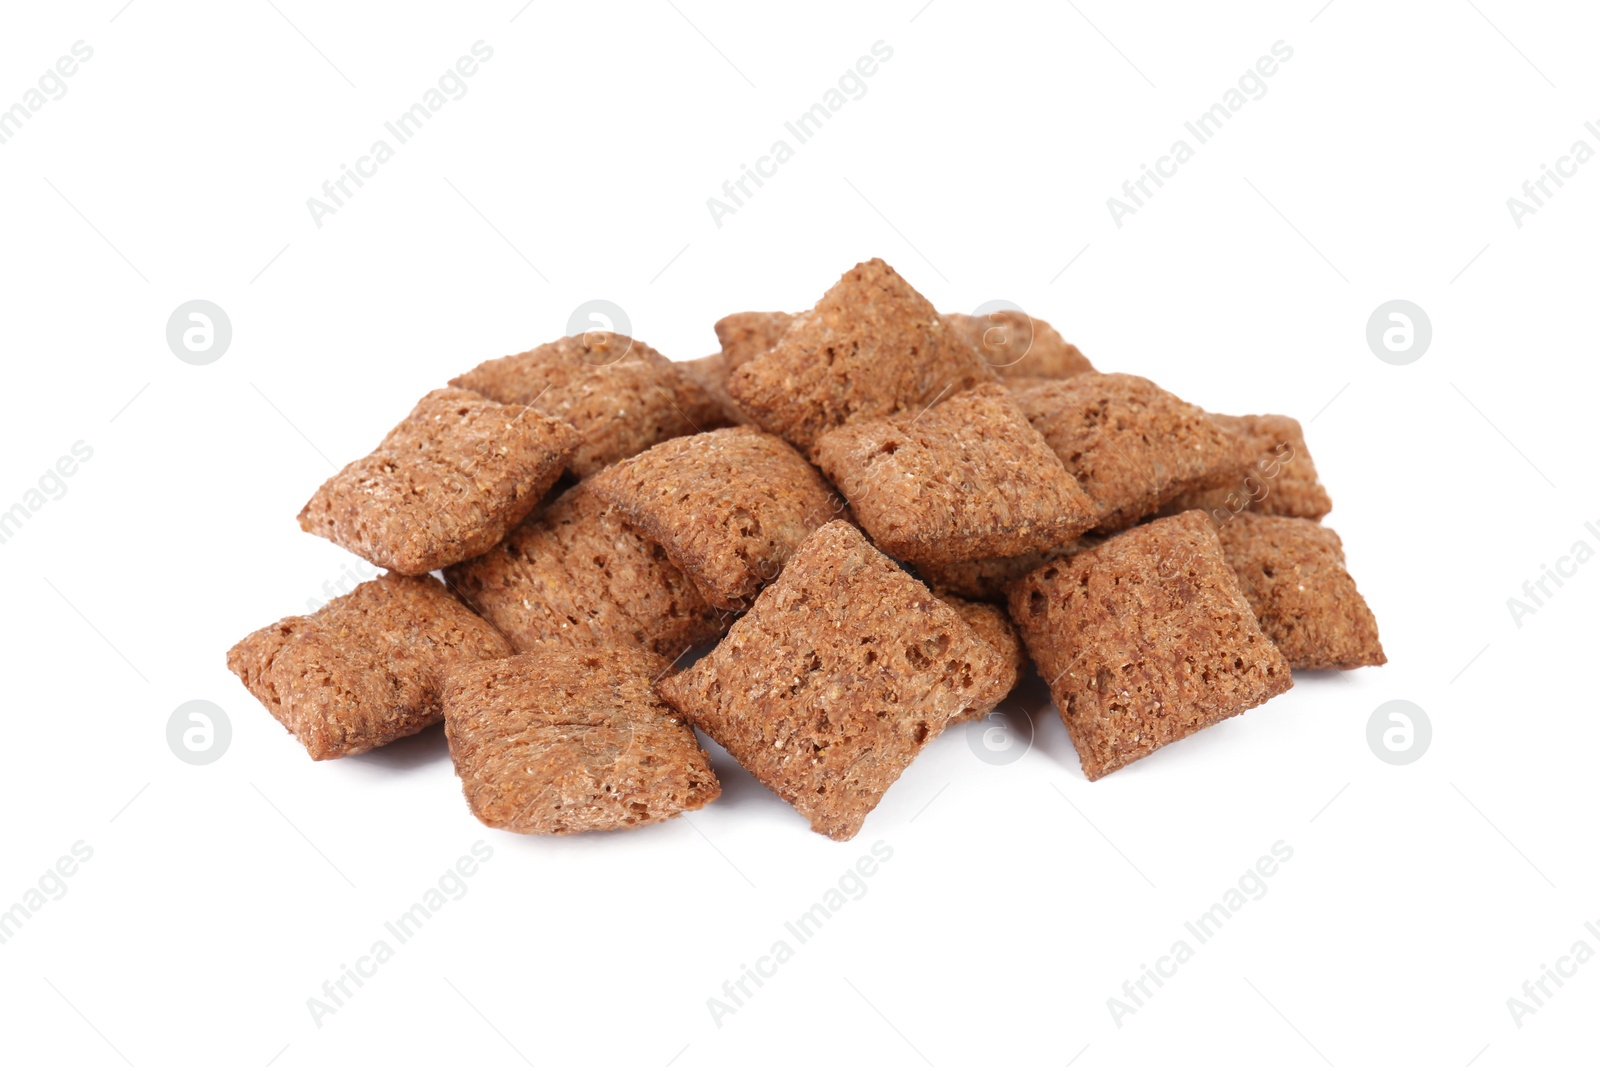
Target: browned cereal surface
[
  {"x": 1018, "y": 383},
  {"x": 968, "y": 478},
  {"x": 1131, "y": 444},
  {"x": 842, "y": 671},
  {"x": 367, "y": 667},
  {"x": 1017, "y": 345},
  {"x": 712, "y": 374},
  {"x": 746, "y": 334},
  {"x": 728, "y": 506},
  {"x": 993, "y": 625},
  {"x": 1293, "y": 573},
  {"x": 563, "y": 741},
  {"x": 622, "y": 395},
  {"x": 1281, "y": 481},
  {"x": 577, "y": 576},
  {"x": 1145, "y": 640},
  {"x": 988, "y": 579},
  {"x": 872, "y": 346},
  {"x": 444, "y": 485}
]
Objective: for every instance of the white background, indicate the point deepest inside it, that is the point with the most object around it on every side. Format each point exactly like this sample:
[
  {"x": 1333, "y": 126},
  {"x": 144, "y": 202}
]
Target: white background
[{"x": 1019, "y": 897}]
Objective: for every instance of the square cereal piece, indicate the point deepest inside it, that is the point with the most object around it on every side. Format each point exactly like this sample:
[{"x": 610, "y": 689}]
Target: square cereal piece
[
  {"x": 968, "y": 478},
  {"x": 988, "y": 579},
  {"x": 444, "y": 485},
  {"x": 1145, "y": 640},
  {"x": 575, "y": 575},
  {"x": 1131, "y": 444},
  {"x": 366, "y": 668},
  {"x": 746, "y": 334},
  {"x": 563, "y": 741},
  {"x": 1017, "y": 345},
  {"x": 622, "y": 395},
  {"x": 1281, "y": 481},
  {"x": 993, "y": 626},
  {"x": 728, "y": 506},
  {"x": 1294, "y": 576},
  {"x": 872, "y": 346},
  {"x": 844, "y": 669}
]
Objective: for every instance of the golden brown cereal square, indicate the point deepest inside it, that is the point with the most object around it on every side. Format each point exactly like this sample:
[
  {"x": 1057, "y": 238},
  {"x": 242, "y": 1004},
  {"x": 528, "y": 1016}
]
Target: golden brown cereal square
[
  {"x": 1017, "y": 345},
  {"x": 1145, "y": 640},
  {"x": 1131, "y": 444},
  {"x": 576, "y": 575},
  {"x": 991, "y": 623},
  {"x": 842, "y": 671},
  {"x": 872, "y": 346},
  {"x": 746, "y": 334},
  {"x": 366, "y": 668},
  {"x": 728, "y": 506},
  {"x": 444, "y": 485},
  {"x": 563, "y": 741},
  {"x": 1293, "y": 573},
  {"x": 622, "y": 395},
  {"x": 1282, "y": 480},
  {"x": 968, "y": 478}
]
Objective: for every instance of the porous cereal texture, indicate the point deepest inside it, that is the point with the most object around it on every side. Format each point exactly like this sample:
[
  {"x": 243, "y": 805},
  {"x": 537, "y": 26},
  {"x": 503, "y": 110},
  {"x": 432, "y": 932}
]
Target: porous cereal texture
[
  {"x": 1131, "y": 444},
  {"x": 366, "y": 668},
  {"x": 564, "y": 741},
  {"x": 622, "y": 395},
  {"x": 872, "y": 346},
  {"x": 728, "y": 507},
  {"x": 1293, "y": 573},
  {"x": 967, "y": 479},
  {"x": 577, "y": 576},
  {"x": 444, "y": 485},
  {"x": 1145, "y": 640},
  {"x": 1017, "y": 345},
  {"x": 842, "y": 671}
]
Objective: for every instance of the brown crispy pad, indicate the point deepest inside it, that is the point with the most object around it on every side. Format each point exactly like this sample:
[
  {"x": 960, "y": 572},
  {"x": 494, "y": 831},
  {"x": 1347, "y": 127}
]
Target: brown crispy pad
[
  {"x": 1282, "y": 480},
  {"x": 1017, "y": 345},
  {"x": 989, "y": 579},
  {"x": 366, "y": 668},
  {"x": 444, "y": 485},
  {"x": 712, "y": 374},
  {"x": 967, "y": 479},
  {"x": 1145, "y": 640},
  {"x": 728, "y": 506},
  {"x": 1293, "y": 573},
  {"x": 622, "y": 395},
  {"x": 576, "y": 575},
  {"x": 872, "y": 346},
  {"x": 993, "y": 626},
  {"x": 842, "y": 671},
  {"x": 746, "y": 334},
  {"x": 1131, "y": 444},
  {"x": 563, "y": 741}
]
